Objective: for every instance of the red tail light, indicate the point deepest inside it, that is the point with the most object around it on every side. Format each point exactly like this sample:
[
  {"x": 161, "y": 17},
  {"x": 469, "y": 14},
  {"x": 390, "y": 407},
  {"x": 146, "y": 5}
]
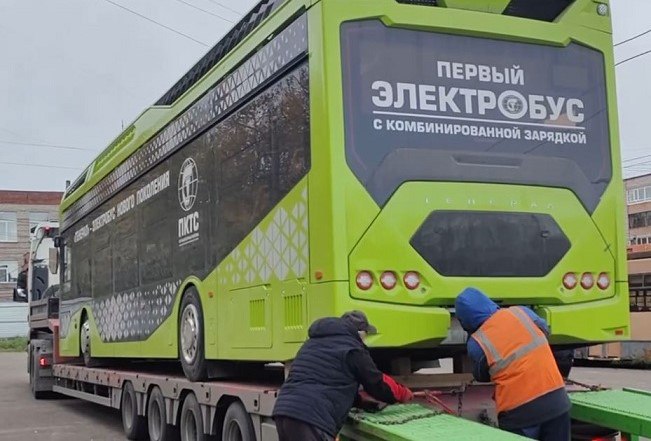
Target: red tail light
[
  {"x": 412, "y": 280},
  {"x": 603, "y": 281},
  {"x": 43, "y": 362},
  {"x": 587, "y": 280},
  {"x": 388, "y": 280},
  {"x": 364, "y": 280},
  {"x": 570, "y": 281}
]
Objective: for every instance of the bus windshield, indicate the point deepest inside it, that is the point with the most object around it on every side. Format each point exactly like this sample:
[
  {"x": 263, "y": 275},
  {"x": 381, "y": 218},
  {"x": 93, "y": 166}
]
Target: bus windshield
[{"x": 440, "y": 107}]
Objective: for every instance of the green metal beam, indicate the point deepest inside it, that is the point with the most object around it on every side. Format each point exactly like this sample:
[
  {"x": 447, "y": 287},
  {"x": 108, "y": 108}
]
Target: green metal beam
[
  {"x": 413, "y": 422},
  {"x": 627, "y": 410}
]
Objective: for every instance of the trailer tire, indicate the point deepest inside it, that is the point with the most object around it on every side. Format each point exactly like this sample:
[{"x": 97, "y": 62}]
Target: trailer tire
[
  {"x": 159, "y": 430},
  {"x": 33, "y": 371},
  {"x": 237, "y": 424},
  {"x": 191, "y": 337},
  {"x": 192, "y": 420},
  {"x": 135, "y": 426}
]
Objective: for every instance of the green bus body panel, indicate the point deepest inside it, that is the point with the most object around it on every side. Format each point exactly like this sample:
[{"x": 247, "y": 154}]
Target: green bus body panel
[{"x": 338, "y": 229}]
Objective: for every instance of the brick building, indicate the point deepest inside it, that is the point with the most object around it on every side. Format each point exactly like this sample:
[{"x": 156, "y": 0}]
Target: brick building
[
  {"x": 19, "y": 211},
  {"x": 638, "y": 198}
]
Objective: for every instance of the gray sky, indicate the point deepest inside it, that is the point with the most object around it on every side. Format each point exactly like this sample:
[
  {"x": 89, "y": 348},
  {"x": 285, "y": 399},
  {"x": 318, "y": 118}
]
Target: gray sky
[{"x": 72, "y": 72}]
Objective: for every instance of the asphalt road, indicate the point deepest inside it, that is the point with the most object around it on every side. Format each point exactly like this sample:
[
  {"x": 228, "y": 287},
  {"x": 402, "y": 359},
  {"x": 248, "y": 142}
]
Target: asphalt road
[{"x": 24, "y": 419}]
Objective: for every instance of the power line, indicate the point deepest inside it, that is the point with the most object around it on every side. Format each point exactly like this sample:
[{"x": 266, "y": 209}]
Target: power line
[
  {"x": 207, "y": 12},
  {"x": 639, "y": 164},
  {"x": 226, "y": 7},
  {"x": 54, "y": 146},
  {"x": 20, "y": 164},
  {"x": 635, "y": 159},
  {"x": 156, "y": 23},
  {"x": 635, "y": 37},
  {"x": 633, "y": 57}
]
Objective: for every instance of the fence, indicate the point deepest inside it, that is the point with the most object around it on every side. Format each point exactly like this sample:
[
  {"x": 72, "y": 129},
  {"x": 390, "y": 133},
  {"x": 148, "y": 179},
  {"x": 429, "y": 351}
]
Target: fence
[{"x": 13, "y": 319}]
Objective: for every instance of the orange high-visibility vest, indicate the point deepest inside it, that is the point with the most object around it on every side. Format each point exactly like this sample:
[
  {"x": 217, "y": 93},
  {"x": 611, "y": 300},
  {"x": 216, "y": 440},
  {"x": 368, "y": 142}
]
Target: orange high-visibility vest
[{"x": 520, "y": 361}]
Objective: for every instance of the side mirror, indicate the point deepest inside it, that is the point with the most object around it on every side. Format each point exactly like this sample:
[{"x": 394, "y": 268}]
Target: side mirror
[
  {"x": 20, "y": 295},
  {"x": 58, "y": 241},
  {"x": 53, "y": 261}
]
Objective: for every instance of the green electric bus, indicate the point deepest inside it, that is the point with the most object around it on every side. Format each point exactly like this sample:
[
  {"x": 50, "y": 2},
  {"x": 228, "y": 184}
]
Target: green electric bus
[{"x": 381, "y": 155}]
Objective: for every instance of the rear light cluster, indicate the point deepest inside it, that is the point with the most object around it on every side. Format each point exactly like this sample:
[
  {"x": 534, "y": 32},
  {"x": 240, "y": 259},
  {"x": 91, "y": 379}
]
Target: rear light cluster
[
  {"x": 586, "y": 280},
  {"x": 388, "y": 280}
]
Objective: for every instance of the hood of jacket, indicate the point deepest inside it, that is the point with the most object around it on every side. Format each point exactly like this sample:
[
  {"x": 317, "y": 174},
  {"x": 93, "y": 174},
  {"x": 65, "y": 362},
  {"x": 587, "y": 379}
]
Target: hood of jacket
[
  {"x": 473, "y": 308},
  {"x": 331, "y": 326}
]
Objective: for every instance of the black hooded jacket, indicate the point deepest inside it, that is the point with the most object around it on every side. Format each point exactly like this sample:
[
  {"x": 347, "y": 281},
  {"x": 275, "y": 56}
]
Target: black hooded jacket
[{"x": 324, "y": 379}]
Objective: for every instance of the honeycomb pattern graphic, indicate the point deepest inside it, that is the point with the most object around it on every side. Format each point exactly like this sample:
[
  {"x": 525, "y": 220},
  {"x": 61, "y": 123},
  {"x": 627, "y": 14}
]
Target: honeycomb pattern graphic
[
  {"x": 276, "y": 249},
  {"x": 134, "y": 315},
  {"x": 260, "y": 67}
]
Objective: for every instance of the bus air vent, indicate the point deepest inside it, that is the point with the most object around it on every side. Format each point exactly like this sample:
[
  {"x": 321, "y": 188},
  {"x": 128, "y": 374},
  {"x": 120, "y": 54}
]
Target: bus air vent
[
  {"x": 419, "y": 2},
  {"x": 545, "y": 10}
]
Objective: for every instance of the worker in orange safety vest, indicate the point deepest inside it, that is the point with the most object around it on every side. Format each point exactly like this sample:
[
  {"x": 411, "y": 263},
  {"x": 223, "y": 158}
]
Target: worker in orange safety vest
[{"x": 509, "y": 347}]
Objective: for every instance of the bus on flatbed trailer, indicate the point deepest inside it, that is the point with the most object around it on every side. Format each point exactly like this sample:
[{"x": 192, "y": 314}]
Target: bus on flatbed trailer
[
  {"x": 160, "y": 404},
  {"x": 353, "y": 154}
]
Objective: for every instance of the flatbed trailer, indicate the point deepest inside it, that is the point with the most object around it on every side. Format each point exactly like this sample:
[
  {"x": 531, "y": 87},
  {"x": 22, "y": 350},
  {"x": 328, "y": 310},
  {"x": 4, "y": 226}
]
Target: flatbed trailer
[{"x": 160, "y": 404}]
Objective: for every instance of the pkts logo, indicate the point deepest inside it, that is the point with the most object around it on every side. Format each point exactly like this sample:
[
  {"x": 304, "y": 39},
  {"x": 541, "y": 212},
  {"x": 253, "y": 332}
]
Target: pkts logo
[{"x": 188, "y": 184}]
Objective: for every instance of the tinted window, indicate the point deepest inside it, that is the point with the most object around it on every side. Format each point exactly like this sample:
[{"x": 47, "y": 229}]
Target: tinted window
[
  {"x": 155, "y": 244},
  {"x": 125, "y": 257},
  {"x": 262, "y": 152},
  {"x": 428, "y": 106}
]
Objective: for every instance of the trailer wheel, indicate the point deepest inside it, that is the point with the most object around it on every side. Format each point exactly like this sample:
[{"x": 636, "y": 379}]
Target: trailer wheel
[
  {"x": 135, "y": 426},
  {"x": 192, "y": 420},
  {"x": 33, "y": 372},
  {"x": 159, "y": 430},
  {"x": 191, "y": 337},
  {"x": 237, "y": 424}
]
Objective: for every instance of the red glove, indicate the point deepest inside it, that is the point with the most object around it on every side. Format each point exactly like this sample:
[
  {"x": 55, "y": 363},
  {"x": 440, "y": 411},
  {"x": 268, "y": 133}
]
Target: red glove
[{"x": 401, "y": 393}]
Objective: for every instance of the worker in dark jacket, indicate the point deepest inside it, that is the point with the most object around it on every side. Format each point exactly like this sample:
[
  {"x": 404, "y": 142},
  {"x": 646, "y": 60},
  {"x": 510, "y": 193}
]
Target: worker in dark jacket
[
  {"x": 509, "y": 347},
  {"x": 324, "y": 380}
]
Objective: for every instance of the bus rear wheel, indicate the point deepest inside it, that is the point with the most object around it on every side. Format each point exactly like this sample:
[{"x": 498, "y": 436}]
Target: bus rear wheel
[
  {"x": 159, "y": 430},
  {"x": 191, "y": 337}
]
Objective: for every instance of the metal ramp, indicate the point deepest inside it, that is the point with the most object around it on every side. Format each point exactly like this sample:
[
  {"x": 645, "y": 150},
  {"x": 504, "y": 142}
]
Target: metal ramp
[
  {"x": 413, "y": 422},
  {"x": 627, "y": 410}
]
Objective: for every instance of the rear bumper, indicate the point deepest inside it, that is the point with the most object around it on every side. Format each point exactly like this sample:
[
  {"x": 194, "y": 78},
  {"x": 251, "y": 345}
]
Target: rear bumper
[
  {"x": 597, "y": 321},
  {"x": 430, "y": 326},
  {"x": 402, "y": 325}
]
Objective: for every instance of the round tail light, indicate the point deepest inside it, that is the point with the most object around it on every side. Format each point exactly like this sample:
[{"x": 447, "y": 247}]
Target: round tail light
[
  {"x": 364, "y": 280},
  {"x": 412, "y": 280},
  {"x": 603, "y": 281},
  {"x": 388, "y": 280},
  {"x": 587, "y": 280},
  {"x": 570, "y": 281}
]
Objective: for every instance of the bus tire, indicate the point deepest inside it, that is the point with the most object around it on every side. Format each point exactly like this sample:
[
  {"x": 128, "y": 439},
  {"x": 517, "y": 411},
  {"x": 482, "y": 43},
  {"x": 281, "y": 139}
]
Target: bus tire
[
  {"x": 191, "y": 337},
  {"x": 84, "y": 341},
  {"x": 135, "y": 426},
  {"x": 237, "y": 424},
  {"x": 192, "y": 420}
]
